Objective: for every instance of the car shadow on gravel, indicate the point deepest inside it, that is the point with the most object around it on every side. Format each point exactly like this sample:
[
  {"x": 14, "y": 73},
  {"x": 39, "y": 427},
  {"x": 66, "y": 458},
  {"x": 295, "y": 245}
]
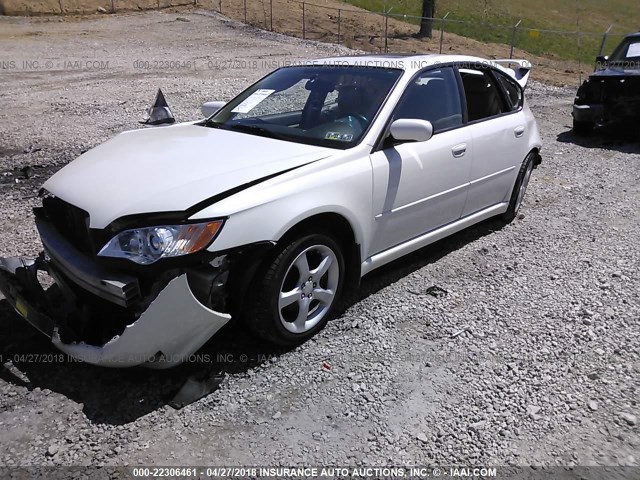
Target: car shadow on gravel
[
  {"x": 402, "y": 267},
  {"x": 112, "y": 396},
  {"x": 120, "y": 396},
  {"x": 622, "y": 138}
]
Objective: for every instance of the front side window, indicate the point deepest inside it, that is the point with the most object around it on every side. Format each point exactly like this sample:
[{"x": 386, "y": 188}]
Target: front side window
[
  {"x": 481, "y": 93},
  {"x": 329, "y": 105},
  {"x": 432, "y": 95}
]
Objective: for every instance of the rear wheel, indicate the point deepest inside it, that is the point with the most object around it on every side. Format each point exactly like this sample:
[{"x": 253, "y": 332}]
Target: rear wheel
[
  {"x": 582, "y": 128},
  {"x": 299, "y": 290},
  {"x": 520, "y": 188}
]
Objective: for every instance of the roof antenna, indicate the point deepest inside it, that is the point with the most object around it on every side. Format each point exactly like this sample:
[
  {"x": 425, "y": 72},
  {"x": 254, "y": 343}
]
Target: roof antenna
[{"x": 159, "y": 113}]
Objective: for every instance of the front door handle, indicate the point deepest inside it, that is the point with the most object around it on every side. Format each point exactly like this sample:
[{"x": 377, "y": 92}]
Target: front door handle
[
  {"x": 459, "y": 150},
  {"x": 519, "y": 131}
]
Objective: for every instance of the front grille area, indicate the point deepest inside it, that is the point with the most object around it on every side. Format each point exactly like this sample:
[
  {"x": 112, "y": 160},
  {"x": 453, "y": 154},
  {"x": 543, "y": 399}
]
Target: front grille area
[{"x": 70, "y": 221}]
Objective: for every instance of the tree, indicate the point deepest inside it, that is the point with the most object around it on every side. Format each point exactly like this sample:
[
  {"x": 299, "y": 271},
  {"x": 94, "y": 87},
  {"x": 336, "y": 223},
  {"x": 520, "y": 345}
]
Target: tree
[{"x": 426, "y": 23}]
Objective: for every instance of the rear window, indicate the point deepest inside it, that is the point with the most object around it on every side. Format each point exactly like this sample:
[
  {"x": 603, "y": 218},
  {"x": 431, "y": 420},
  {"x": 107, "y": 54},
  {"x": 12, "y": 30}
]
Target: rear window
[
  {"x": 512, "y": 90},
  {"x": 627, "y": 54},
  {"x": 482, "y": 94}
]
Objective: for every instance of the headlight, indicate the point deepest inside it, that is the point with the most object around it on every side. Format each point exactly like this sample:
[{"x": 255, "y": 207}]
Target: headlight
[{"x": 149, "y": 244}]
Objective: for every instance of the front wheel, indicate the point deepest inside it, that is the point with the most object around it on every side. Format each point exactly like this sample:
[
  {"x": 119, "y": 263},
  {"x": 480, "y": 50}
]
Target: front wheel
[
  {"x": 520, "y": 188},
  {"x": 295, "y": 297}
]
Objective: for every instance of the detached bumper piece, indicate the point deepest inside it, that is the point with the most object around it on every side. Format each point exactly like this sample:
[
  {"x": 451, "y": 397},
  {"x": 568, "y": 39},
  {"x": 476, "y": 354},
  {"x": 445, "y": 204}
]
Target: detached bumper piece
[
  {"x": 158, "y": 332},
  {"x": 173, "y": 327},
  {"x": 19, "y": 284}
]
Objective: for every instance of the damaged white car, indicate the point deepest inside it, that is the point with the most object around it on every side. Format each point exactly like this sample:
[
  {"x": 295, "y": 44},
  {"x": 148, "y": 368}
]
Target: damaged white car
[{"x": 273, "y": 206}]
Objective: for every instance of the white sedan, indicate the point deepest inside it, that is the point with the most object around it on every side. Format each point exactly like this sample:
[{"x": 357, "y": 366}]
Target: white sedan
[{"x": 274, "y": 205}]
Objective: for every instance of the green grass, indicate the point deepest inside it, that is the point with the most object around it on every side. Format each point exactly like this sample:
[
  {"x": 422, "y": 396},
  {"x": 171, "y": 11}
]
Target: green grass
[{"x": 591, "y": 16}]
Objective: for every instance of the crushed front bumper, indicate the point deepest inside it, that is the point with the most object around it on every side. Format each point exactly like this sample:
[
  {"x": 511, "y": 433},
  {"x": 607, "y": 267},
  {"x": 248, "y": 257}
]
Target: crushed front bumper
[{"x": 172, "y": 327}]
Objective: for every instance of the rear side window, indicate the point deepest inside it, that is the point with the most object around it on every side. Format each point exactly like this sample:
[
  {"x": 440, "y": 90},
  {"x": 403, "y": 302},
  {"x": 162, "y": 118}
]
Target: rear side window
[
  {"x": 512, "y": 90},
  {"x": 482, "y": 94},
  {"x": 432, "y": 95}
]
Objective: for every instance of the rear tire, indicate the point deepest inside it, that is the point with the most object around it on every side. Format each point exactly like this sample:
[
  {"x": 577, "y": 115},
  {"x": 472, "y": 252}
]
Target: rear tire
[
  {"x": 297, "y": 290},
  {"x": 582, "y": 128},
  {"x": 520, "y": 188}
]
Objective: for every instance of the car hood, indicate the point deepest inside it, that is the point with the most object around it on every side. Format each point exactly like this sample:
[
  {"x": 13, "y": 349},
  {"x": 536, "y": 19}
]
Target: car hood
[{"x": 166, "y": 169}]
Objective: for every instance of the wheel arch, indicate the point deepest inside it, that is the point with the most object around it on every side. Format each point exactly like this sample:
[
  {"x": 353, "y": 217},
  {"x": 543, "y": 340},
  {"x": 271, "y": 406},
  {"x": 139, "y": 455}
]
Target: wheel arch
[
  {"x": 338, "y": 227},
  {"x": 537, "y": 158},
  {"x": 334, "y": 224}
]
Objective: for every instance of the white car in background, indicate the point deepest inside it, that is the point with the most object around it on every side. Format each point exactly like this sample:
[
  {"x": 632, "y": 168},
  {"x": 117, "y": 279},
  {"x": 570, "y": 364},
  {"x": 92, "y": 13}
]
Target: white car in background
[{"x": 274, "y": 205}]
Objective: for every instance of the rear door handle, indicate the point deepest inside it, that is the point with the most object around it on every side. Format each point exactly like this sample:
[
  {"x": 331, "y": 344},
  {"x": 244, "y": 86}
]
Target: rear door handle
[
  {"x": 519, "y": 131},
  {"x": 459, "y": 150}
]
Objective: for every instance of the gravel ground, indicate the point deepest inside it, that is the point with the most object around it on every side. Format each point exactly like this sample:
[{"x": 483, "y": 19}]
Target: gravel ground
[{"x": 507, "y": 345}]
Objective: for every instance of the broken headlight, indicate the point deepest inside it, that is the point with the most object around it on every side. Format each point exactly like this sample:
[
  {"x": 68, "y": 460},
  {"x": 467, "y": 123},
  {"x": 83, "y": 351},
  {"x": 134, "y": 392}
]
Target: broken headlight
[{"x": 149, "y": 244}]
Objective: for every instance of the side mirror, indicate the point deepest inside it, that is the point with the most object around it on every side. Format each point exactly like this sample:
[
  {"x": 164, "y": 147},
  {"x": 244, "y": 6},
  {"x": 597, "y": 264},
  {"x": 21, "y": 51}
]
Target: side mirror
[
  {"x": 209, "y": 108},
  {"x": 411, "y": 130},
  {"x": 602, "y": 61}
]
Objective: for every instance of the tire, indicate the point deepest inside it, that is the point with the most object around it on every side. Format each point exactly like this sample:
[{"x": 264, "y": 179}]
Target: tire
[
  {"x": 294, "y": 300},
  {"x": 520, "y": 188},
  {"x": 582, "y": 128}
]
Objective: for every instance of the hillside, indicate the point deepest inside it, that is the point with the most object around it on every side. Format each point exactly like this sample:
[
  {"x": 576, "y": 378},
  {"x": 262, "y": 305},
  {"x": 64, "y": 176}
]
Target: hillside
[
  {"x": 360, "y": 29},
  {"x": 592, "y": 17}
]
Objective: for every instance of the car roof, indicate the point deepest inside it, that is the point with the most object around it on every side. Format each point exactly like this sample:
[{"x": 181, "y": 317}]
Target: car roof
[
  {"x": 410, "y": 62},
  {"x": 633, "y": 35}
]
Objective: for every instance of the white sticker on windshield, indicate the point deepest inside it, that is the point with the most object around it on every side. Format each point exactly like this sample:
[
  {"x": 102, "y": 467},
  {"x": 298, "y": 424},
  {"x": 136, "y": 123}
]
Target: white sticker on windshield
[
  {"x": 252, "y": 100},
  {"x": 634, "y": 50}
]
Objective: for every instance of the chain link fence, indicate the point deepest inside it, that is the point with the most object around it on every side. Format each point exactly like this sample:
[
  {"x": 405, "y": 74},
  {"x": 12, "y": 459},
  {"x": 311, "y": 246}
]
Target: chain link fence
[{"x": 386, "y": 32}]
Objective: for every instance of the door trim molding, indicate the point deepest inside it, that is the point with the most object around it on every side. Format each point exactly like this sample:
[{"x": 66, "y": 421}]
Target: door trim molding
[
  {"x": 422, "y": 200},
  {"x": 491, "y": 175},
  {"x": 425, "y": 239}
]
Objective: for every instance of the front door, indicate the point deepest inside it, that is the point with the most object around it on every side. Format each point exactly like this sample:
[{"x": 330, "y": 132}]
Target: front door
[{"x": 420, "y": 186}]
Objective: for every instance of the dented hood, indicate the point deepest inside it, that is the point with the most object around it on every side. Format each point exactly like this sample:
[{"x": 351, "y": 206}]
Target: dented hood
[{"x": 171, "y": 169}]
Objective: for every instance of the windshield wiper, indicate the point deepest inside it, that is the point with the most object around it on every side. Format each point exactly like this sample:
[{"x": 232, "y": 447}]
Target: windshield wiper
[
  {"x": 211, "y": 123},
  {"x": 255, "y": 130}
]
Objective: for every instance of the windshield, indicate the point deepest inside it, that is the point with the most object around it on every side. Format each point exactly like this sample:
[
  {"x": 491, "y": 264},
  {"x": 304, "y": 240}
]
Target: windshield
[
  {"x": 319, "y": 105},
  {"x": 627, "y": 55}
]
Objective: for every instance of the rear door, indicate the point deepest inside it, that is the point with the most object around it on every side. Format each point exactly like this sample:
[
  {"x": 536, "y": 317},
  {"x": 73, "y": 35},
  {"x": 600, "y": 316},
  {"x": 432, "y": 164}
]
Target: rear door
[
  {"x": 498, "y": 127},
  {"x": 420, "y": 186}
]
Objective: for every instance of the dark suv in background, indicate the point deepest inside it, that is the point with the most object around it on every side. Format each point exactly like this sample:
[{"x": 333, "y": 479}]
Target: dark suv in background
[{"x": 612, "y": 91}]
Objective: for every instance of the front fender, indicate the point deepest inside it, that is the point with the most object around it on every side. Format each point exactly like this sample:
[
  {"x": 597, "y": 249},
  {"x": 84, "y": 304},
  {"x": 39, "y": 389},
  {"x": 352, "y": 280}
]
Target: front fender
[{"x": 276, "y": 206}]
